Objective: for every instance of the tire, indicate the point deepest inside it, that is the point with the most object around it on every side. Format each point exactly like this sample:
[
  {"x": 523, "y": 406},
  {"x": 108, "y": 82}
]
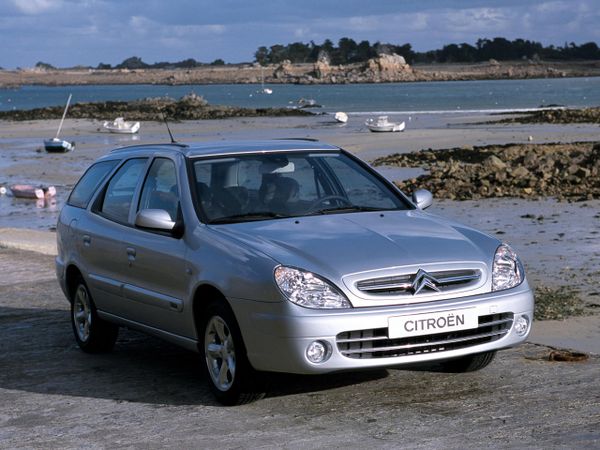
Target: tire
[
  {"x": 231, "y": 378},
  {"x": 93, "y": 335},
  {"x": 470, "y": 363}
]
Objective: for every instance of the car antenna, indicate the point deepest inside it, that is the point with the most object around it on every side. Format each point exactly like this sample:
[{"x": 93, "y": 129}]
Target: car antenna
[{"x": 173, "y": 141}]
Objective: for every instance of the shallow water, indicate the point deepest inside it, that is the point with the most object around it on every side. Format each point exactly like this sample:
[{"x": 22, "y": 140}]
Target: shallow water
[
  {"x": 29, "y": 213},
  {"x": 391, "y": 98}
]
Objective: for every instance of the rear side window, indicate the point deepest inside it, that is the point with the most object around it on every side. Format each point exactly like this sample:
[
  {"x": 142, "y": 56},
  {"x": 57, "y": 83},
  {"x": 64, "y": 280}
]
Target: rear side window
[
  {"x": 89, "y": 182},
  {"x": 120, "y": 189}
]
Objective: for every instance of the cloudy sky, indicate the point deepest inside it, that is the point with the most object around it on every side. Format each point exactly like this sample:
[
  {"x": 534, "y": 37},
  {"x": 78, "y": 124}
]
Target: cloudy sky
[{"x": 70, "y": 32}]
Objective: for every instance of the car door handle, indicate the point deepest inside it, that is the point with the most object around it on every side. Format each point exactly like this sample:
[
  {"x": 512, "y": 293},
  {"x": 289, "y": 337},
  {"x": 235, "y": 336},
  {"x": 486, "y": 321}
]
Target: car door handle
[
  {"x": 130, "y": 254},
  {"x": 87, "y": 240}
]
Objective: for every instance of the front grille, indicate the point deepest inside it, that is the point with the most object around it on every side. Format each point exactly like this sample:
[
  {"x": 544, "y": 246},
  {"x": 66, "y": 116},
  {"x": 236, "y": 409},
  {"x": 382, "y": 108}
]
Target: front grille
[
  {"x": 374, "y": 343},
  {"x": 445, "y": 281}
]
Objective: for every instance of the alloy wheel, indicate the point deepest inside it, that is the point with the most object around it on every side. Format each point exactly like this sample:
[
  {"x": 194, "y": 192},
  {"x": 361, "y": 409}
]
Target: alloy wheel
[
  {"x": 82, "y": 314},
  {"x": 219, "y": 349}
]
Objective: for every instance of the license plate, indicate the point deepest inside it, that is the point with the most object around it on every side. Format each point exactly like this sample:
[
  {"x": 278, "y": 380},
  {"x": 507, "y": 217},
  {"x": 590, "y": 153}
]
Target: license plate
[{"x": 432, "y": 323}]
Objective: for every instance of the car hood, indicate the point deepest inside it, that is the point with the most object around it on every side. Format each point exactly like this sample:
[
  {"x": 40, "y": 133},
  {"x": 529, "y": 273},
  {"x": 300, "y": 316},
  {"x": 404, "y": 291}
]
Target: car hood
[{"x": 339, "y": 244}]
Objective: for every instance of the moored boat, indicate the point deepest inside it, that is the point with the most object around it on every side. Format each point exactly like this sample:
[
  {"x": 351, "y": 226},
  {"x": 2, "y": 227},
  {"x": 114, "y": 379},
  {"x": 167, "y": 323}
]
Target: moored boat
[
  {"x": 56, "y": 145},
  {"x": 382, "y": 124},
  {"x": 31, "y": 191},
  {"x": 341, "y": 117},
  {"x": 120, "y": 125}
]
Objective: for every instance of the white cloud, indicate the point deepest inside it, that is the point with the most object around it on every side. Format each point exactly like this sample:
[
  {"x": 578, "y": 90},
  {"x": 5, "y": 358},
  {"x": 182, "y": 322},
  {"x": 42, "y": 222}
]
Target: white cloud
[
  {"x": 36, "y": 6},
  {"x": 476, "y": 20},
  {"x": 365, "y": 23},
  {"x": 193, "y": 30},
  {"x": 418, "y": 21},
  {"x": 302, "y": 32},
  {"x": 553, "y": 7},
  {"x": 141, "y": 25},
  {"x": 145, "y": 26}
]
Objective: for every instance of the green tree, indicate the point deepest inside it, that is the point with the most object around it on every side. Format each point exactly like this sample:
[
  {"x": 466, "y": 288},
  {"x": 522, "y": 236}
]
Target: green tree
[
  {"x": 133, "y": 62},
  {"x": 298, "y": 52},
  {"x": 45, "y": 66},
  {"x": 347, "y": 50},
  {"x": 277, "y": 53},
  {"x": 261, "y": 56}
]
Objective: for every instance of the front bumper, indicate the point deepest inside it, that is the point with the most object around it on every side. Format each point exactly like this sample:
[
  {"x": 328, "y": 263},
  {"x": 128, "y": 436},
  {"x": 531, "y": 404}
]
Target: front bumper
[{"x": 277, "y": 335}]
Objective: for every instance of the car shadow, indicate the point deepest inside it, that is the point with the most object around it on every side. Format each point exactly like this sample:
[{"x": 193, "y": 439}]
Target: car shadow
[{"x": 38, "y": 354}]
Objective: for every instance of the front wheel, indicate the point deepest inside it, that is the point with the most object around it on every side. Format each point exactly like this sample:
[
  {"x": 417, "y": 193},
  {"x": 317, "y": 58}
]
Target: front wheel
[
  {"x": 469, "y": 363},
  {"x": 232, "y": 379},
  {"x": 93, "y": 335}
]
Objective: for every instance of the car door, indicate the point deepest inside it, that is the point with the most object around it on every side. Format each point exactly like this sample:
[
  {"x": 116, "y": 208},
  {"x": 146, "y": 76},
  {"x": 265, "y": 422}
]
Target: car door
[
  {"x": 100, "y": 236},
  {"x": 155, "y": 280}
]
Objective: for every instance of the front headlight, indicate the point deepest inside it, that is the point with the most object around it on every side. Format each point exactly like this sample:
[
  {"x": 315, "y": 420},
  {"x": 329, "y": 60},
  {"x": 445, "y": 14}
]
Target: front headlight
[
  {"x": 309, "y": 290},
  {"x": 507, "y": 271}
]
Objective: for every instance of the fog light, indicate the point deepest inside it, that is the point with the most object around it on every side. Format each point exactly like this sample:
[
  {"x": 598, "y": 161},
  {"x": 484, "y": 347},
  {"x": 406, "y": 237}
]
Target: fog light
[
  {"x": 317, "y": 352},
  {"x": 522, "y": 325}
]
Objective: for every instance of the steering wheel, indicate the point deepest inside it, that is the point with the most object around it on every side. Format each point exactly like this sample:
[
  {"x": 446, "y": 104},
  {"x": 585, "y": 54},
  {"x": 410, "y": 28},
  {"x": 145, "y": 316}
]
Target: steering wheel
[{"x": 327, "y": 198}]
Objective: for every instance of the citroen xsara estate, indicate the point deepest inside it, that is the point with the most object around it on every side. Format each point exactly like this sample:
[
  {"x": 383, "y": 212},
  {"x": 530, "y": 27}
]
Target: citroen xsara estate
[{"x": 284, "y": 255}]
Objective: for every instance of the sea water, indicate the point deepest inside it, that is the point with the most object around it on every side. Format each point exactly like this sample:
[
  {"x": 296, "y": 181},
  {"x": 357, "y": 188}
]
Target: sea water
[{"x": 386, "y": 98}]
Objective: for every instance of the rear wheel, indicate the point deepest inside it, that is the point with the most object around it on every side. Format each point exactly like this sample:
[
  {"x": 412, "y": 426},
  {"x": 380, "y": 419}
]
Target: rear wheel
[
  {"x": 93, "y": 335},
  {"x": 470, "y": 363},
  {"x": 232, "y": 379}
]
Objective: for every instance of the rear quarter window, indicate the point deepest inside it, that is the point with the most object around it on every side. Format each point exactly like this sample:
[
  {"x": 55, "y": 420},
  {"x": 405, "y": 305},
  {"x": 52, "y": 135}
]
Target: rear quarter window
[{"x": 89, "y": 182}]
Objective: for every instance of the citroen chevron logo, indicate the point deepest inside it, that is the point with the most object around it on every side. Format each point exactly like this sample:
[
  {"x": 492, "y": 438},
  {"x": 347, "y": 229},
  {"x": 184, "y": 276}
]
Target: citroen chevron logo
[{"x": 423, "y": 280}]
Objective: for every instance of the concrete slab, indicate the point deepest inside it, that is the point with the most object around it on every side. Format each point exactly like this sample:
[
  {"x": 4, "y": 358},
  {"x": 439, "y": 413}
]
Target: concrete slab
[{"x": 32, "y": 240}]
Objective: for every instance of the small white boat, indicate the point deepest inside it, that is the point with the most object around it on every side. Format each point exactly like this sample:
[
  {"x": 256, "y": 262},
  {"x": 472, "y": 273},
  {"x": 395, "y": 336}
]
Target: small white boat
[
  {"x": 56, "y": 145},
  {"x": 31, "y": 191},
  {"x": 263, "y": 89},
  {"x": 382, "y": 124},
  {"x": 341, "y": 117},
  {"x": 120, "y": 125}
]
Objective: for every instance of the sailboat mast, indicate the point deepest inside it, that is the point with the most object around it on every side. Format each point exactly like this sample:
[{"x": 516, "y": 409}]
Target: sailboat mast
[{"x": 63, "y": 116}]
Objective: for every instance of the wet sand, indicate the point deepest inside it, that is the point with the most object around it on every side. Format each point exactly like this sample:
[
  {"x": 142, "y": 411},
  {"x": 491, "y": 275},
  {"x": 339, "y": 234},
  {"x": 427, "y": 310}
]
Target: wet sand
[{"x": 562, "y": 249}]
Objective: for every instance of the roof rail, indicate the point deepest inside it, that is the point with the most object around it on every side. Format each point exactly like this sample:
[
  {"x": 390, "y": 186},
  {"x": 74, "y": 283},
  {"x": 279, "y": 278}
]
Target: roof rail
[
  {"x": 145, "y": 146},
  {"x": 297, "y": 139}
]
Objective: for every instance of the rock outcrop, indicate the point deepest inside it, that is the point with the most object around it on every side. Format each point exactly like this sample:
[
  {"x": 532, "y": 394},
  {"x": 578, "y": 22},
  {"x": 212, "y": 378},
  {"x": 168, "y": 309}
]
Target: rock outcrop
[
  {"x": 284, "y": 70},
  {"x": 322, "y": 67},
  {"x": 388, "y": 68},
  {"x": 563, "y": 171},
  {"x": 584, "y": 115},
  {"x": 189, "y": 107}
]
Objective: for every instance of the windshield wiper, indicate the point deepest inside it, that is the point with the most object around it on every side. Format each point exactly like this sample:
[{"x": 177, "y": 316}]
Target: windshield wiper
[
  {"x": 346, "y": 208},
  {"x": 257, "y": 215}
]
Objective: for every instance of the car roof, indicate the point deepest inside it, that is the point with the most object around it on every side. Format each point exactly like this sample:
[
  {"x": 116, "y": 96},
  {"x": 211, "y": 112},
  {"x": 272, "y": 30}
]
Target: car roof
[{"x": 220, "y": 148}]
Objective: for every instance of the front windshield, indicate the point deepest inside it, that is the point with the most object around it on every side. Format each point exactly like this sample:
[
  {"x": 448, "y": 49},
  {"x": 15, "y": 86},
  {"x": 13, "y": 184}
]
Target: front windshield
[{"x": 276, "y": 185}]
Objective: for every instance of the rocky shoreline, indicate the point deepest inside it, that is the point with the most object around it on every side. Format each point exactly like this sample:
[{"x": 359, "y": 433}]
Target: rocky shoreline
[
  {"x": 556, "y": 116},
  {"x": 564, "y": 171},
  {"x": 189, "y": 107},
  {"x": 382, "y": 69}
]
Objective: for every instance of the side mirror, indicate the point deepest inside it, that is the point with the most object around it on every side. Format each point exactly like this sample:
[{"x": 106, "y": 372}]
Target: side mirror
[
  {"x": 422, "y": 198},
  {"x": 155, "y": 219}
]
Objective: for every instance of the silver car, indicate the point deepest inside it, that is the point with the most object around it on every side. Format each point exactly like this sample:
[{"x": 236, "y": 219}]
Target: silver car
[{"x": 281, "y": 256}]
